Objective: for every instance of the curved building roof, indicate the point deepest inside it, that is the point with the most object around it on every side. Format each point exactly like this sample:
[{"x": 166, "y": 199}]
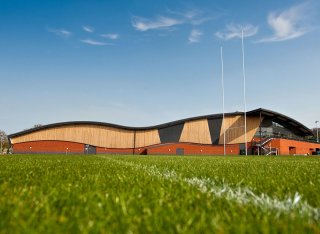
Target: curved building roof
[{"x": 284, "y": 120}]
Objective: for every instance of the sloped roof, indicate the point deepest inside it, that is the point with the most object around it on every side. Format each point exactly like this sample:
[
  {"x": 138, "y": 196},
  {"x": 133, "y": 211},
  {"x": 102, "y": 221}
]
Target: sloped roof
[
  {"x": 284, "y": 120},
  {"x": 287, "y": 122}
]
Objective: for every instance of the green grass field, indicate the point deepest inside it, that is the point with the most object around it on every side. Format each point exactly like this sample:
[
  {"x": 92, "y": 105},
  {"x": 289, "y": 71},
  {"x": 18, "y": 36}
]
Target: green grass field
[{"x": 159, "y": 194}]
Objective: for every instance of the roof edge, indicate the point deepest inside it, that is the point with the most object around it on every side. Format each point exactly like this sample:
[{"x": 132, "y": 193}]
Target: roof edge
[{"x": 159, "y": 126}]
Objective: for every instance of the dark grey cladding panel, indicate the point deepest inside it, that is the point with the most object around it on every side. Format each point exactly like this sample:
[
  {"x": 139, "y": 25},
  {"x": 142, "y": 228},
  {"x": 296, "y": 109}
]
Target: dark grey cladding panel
[
  {"x": 215, "y": 127},
  {"x": 266, "y": 122},
  {"x": 170, "y": 134}
]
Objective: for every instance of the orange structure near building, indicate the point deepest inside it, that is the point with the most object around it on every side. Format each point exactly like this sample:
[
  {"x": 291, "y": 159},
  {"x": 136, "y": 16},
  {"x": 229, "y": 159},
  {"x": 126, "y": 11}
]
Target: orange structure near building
[{"x": 268, "y": 132}]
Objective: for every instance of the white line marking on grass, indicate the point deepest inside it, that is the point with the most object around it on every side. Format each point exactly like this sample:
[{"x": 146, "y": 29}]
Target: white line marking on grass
[{"x": 240, "y": 195}]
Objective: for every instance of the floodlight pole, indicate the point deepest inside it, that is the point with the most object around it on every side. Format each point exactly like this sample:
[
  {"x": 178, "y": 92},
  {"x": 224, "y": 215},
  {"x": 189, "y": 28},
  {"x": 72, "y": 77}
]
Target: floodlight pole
[
  {"x": 222, "y": 84},
  {"x": 244, "y": 95},
  {"x": 317, "y": 130}
]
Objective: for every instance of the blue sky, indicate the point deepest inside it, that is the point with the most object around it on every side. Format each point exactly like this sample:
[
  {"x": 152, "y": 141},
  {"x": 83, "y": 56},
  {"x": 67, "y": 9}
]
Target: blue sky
[{"x": 140, "y": 63}]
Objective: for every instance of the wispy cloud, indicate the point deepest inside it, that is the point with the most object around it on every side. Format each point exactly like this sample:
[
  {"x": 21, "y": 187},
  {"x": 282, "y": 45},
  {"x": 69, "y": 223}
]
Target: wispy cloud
[
  {"x": 161, "y": 22},
  {"x": 194, "y": 36},
  {"x": 94, "y": 42},
  {"x": 170, "y": 21},
  {"x": 288, "y": 24},
  {"x": 88, "y": 29},
  {"x": 193, "y": 16},
  {"x": 235, "y": 31},
  {"x": 112, "y": 36},
  {"x": 60, "y": 32}
]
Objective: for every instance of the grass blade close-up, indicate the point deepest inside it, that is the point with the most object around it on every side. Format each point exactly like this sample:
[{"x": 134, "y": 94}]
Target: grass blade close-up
[{"x": 159, "y": 194}]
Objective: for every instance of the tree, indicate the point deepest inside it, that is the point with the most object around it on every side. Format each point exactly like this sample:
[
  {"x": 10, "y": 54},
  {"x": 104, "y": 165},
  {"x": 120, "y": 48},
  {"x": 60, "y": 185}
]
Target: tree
[{"x": 4, "y": 142}]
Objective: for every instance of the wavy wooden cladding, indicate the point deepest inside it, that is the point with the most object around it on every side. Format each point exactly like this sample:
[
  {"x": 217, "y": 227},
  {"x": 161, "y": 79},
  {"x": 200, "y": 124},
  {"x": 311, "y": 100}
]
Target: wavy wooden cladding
[
  {"x": 146, "y": 138},
  {"x": 94, "y": 135},
  {"x": 196, "y": 131},
  {"x": 88, "y": 134},
  {"x": 234, "y": 126}
]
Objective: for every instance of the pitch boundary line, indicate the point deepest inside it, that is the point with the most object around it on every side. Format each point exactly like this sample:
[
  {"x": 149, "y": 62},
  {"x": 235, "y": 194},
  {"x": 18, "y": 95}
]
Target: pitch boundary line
[{"x": 240, "y": 195}]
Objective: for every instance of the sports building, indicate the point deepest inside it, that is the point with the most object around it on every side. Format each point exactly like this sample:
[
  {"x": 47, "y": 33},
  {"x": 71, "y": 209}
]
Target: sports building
[{"x": 268, "y": 132}]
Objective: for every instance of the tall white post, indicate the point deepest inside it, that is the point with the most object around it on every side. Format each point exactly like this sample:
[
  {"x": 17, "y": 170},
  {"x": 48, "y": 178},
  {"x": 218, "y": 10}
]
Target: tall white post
[
  {"x": 244, "y": 95},
  {"x": 222, "y": 84}
]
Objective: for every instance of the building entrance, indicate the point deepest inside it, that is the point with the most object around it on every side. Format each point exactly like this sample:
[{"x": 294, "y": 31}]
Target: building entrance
[{"x": 89, "y": 149}]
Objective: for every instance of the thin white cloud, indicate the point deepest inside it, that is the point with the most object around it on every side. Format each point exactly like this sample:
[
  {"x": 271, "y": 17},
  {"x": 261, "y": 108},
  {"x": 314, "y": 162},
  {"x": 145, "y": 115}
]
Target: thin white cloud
[
  {"x": 235, "y": 31},
  {"x": 288, "y": 24},
  {"x": 161, "y": 22},
  {"x": 194, "y": 36},
  {"x": 60, "y": 32},
  {"x": 88, "y": 29},
  {"x": 201, "y": 20},
  {"x": 94, "y": 42},
  {"x": 193, "y": 16},
  {"x": 172, "y": 18},
  {"x": 112, "y": 36}
]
